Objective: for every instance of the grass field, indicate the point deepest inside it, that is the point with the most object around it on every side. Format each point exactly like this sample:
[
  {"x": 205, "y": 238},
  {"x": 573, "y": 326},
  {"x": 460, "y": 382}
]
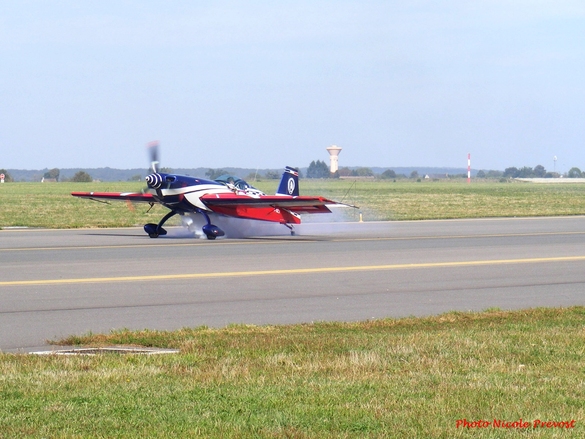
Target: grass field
[
  {"x": 50, "y": 205},
  {"x": 403, "y": 378}
]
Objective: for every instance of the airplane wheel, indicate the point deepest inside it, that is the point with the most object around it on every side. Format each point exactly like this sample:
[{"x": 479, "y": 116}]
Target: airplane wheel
[
  {"x": 153, "y": 235},
  {"x": 212, "y": 231}
]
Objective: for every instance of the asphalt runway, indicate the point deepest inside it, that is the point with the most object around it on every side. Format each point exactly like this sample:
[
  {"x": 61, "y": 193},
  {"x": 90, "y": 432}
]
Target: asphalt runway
[{"x": 55, "y": 283}]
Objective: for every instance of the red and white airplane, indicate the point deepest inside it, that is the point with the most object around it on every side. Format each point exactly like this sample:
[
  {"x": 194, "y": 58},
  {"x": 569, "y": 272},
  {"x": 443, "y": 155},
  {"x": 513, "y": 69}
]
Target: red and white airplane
[{"x": 227, "y": 196}]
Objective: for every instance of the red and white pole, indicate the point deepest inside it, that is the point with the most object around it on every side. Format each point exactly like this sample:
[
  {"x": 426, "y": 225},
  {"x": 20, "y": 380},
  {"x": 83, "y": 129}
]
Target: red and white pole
[{"x": 468, "y": 167}]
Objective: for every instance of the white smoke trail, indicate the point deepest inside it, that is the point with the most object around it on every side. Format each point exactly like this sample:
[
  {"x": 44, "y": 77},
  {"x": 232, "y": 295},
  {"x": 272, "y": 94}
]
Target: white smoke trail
[
  {"x": 233, "y": 227},
  {"x": 335, "y": 223}
]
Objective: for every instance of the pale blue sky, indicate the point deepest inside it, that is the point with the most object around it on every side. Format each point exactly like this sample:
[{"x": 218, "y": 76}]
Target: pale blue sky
[{"x": 268, "y": 83}]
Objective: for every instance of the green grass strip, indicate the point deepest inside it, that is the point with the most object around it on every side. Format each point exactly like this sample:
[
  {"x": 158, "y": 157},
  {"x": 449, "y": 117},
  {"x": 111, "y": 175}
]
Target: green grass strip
[
  {"x": 50, "y": 205},
  {"x": 404, "y": 378}
]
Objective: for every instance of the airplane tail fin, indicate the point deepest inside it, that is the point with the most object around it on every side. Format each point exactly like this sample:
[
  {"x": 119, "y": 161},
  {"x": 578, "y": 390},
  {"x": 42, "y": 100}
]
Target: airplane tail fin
[{"x": 289, "y": 183}]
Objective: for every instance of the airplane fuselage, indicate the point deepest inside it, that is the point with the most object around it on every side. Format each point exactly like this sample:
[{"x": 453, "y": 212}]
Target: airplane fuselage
[{"x": 183, "y": 193}]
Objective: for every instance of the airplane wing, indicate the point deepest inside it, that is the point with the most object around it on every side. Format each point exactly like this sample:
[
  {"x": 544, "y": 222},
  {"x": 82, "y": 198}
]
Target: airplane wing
[
  {"x": 283, "y": 209},
  {"x": 298, "y": 204},
  {"x": 274, "y": 208},
  {"x": 124, "y": 196}
]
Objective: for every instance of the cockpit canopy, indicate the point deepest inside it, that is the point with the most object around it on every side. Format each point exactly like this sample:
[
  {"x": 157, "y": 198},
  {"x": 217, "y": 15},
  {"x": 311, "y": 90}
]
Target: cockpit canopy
[{"x": 237, "y": 182}]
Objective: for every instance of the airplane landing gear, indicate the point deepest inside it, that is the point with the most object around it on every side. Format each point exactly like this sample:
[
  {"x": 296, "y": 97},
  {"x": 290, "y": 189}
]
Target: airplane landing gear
[
  {"x": 153, "y": 230},
  {"x": 210, "y": 230},
  {"x": 291, "y": 228},
  {"x": 156, "y": 230}
]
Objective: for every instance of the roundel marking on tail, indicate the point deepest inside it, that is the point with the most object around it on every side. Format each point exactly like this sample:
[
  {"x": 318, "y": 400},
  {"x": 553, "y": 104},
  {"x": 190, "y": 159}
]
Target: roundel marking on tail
[{"x": 291, "y": 185}]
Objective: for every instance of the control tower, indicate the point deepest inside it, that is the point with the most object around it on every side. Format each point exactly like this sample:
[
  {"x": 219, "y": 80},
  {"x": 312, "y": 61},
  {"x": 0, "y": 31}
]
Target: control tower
[{"x": 334, "y": 151}]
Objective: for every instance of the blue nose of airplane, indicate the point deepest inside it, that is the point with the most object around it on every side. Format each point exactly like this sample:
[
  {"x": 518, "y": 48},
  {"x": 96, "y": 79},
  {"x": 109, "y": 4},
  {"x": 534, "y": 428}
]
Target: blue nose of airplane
[{"x": 154, "y": 181}]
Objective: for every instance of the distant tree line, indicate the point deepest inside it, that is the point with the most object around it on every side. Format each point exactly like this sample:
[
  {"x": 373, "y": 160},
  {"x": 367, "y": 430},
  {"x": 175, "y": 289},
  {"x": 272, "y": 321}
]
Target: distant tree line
[
  {"x": 357, "y": 172},
  {"x": 527, "y": 172},
  {"x": 320, "y": 169},
  {"x": 79, "y": 177},
  {"x": 575, "y": 173},
  {"x": 489, "y": 174},
  {"x": 213, "y": 174},
  {"x": 52, "y": 174},
  {"x": 82, "y": 177}
]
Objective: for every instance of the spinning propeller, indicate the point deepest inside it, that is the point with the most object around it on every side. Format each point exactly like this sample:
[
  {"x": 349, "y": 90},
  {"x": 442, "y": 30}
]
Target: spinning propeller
[
  {"x": 153, "y": 180},
  {"x": 153, "y": 150}
]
